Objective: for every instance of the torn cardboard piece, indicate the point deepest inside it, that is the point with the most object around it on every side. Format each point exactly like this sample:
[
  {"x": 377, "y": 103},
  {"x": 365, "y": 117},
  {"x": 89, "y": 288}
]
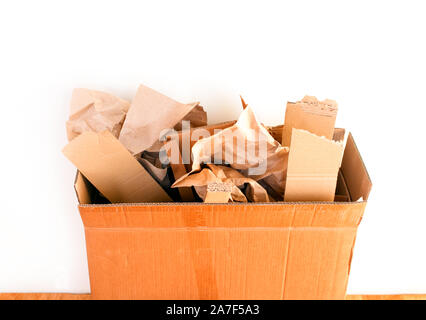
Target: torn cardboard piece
[
  {"x": 197, "y": 117},
  {"x": 95, "y": 111},
  {"x": 317, "y": 117},
  {"x": 150, "y": 113},
  {"x": 313, "y": 165},
  {"x": 106, "y": 163}
]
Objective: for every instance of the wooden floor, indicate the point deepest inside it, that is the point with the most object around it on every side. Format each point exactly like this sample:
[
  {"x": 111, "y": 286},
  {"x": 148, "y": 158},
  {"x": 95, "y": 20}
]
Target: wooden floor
[{"x": 65, "y": 296}]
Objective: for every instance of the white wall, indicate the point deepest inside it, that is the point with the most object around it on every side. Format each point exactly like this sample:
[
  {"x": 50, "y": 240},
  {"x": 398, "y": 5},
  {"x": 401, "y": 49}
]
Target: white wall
[{"x": 367, "y": 55}]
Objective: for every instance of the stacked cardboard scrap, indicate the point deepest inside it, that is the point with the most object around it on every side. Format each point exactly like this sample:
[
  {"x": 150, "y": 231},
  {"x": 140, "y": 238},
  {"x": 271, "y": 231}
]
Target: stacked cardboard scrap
[{"x": 156, "y": 149}]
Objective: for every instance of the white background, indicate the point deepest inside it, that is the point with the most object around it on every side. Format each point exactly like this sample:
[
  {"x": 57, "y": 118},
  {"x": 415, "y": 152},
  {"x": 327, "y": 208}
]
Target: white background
[{"x": 367, "y": 55}]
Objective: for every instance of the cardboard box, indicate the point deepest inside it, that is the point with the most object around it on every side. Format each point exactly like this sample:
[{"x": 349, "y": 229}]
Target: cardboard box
[{"x": 277, "y": 250}]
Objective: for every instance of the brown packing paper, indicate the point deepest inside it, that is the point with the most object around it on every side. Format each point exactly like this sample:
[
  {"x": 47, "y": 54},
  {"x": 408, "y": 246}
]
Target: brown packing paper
[
  {"x": 222, "y": 174},
  {"x": 181, "y": 163},
  {"x": 95, "y": 111},
  {"x": 218, "y": 192},
  {"x": 313, "y": 165},
  {"x": 150, "y": 113},
  {"x": 106, "y": 163},
  {"x": 197, "y": 117},
  {"x": 246, "y": 146},
  {"x": 179, "y": 170},
  {"x": 317, "y": 117}
]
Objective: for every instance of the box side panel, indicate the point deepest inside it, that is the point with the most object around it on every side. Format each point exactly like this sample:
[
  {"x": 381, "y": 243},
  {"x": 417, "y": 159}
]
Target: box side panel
[
  {"x": 187, "y": 263},
  {"x": 354, "y": 172},
  {"x": 318, "y": 263},
  {"x": 220, "y": 252}
]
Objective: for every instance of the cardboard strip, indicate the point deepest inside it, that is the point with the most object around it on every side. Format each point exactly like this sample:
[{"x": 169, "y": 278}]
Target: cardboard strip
[
  {"x": 313, "y": 166},
  {"x": 317, "y": 117},
  {"x": 106, "y": 163}
]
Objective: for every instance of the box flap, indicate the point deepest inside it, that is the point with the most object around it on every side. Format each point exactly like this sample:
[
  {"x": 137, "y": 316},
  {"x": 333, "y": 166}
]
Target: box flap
[
  {"x": 106, "y": 163},
  {"x": 355, "y": 172},
  {"x": 277, "y": 133}
]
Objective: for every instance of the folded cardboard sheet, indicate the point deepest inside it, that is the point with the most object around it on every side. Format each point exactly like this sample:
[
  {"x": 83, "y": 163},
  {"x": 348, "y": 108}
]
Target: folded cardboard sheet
[{"x": 112, "y": 169}]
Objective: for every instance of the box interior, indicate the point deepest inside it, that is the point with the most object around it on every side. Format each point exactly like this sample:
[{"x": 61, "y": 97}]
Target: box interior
[{"x": 353, "y": 183}]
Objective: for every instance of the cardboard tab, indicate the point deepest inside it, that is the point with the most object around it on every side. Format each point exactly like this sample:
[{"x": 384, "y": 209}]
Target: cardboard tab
[
  {"x": 218, "y": 193},
  {"x": 317, "y": 117},
  {"x": 106, "y": 163},
  {"x": 313, "y": 166}
]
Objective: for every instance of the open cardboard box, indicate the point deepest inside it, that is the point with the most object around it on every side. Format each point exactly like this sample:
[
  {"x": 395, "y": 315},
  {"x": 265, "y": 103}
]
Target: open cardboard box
[{"x": 277, "y": 250}]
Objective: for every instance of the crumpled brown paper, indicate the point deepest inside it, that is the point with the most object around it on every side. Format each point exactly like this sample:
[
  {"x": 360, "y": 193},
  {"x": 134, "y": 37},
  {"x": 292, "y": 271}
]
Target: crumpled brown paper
[
  {"x": 257, "y": 155},
  {"x": 222, "y": 174},
  {"x": 317, "y": 117},
  {"x": 197, "y": 117},
  {"x": 150, "y": 113},
  {"x": 95, "y": 111},
  {"x": 266, "y": 159}
]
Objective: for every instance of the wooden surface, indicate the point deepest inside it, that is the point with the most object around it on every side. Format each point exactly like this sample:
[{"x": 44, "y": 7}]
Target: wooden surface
[{"x": 65, "y": 296}]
